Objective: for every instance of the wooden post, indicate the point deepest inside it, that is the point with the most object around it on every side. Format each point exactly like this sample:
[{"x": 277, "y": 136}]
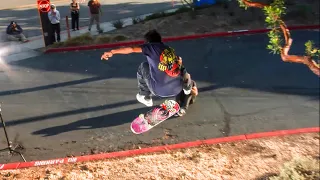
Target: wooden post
[{"x": 68, "y": 28}]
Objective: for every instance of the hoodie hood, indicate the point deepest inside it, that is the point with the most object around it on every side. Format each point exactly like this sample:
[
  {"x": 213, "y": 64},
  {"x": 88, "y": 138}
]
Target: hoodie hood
[{"x": 53, "y": 7}]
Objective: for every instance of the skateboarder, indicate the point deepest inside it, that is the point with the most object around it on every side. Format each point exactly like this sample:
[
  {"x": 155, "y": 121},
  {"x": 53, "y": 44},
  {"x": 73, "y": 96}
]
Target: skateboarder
[{"x": 162, "y": 74}]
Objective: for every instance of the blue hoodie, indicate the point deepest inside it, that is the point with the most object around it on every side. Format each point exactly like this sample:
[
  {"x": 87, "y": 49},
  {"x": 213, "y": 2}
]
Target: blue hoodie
[{"x": 12, "y": 31}]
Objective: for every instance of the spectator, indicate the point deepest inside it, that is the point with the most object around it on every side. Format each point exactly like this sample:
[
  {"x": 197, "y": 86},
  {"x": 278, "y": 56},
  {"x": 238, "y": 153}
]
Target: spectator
[
  {"x": 95, "y": 12},
  {"x": 54, "y": 17},
  {"x": 74, "y": 8},
  {"x": 14, "y": 32}
]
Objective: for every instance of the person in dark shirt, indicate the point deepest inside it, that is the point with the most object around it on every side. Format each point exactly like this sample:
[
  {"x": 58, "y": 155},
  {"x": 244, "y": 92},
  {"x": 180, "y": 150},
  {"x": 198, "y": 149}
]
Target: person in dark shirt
[
  {"x": 14, "y": 32},
  {"x": 95, "y": 11},
  {"x": 75, "y": 9},
  {"x": 162, "y": 75}
]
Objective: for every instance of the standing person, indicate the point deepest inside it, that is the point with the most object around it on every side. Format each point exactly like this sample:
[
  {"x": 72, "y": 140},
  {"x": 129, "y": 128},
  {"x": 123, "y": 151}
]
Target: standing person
[
  {"x": 162, "y": 75},
  {"x": 74, "y": 8},
  {"x": 95, "y": 12},
  {"x": 14, "y": 32},
  {"x": 54, "y": 17}
]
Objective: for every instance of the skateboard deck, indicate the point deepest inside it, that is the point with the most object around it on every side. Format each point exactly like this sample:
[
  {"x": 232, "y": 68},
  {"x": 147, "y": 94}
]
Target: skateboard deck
[{"x": 158, "y": 114}]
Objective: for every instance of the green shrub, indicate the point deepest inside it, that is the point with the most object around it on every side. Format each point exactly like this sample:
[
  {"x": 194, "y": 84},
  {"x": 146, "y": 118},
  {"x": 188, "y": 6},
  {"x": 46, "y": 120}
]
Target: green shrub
[
  {"x": 136, "y": 20},
  {"x": 103, "y": 39},
  {"x": 56, "y": 44},
  {"x": 118, "y": 24},
  {"x": 156, "y": 16},
  {"x": 79, "y": 40},
  {"x": 299, "y": 169},
  {"x": 119, "y": 37},
  {"x": 183, "y": 9}
]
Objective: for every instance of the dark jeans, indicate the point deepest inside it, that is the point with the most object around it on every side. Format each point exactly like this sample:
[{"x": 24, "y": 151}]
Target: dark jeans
[
  {"x": 56, "y": 30},
  {"x": 186, "y": 100},
  {"x": 143, "y": 76},
  {"x": 75, "y": 21}
]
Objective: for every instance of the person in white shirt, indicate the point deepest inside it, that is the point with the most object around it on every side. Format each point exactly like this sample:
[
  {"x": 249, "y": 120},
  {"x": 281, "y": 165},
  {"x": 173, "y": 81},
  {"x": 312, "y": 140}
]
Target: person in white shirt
[{"x": 54, "y": 17}]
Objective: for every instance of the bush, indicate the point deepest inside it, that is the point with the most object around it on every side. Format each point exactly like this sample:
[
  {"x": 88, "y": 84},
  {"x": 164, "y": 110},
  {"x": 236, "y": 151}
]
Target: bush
[
  {"x": 119, "y": 37},
  {"x": 183, "y": 9},
  {"x": 79, "y": 40},
  {"x": 299, "y": 169},
  {"x": 118, "y": 24},
  {"x": 110, "y": 38},
  {"x": 103, "y": 39},
  {"x": 56, "y": 45},
  {"x": 136, "y": 20},
  {"x": 155, "y": 16},
  {"x": 87, "y": 39}
]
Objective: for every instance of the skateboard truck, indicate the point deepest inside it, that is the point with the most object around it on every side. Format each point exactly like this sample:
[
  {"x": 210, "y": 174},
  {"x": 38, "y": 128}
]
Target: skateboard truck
[{"x": 9, "y": 143}]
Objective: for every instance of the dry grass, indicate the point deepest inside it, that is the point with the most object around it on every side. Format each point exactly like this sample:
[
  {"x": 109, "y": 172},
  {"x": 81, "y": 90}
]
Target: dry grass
[
  {"x": 87, "y": 38},
  {"x": 118, "y": 24},
  {"x": 300, "y": 169},
  {"x": 220, "y": 18},
  {"x": 248, "y": 160}
]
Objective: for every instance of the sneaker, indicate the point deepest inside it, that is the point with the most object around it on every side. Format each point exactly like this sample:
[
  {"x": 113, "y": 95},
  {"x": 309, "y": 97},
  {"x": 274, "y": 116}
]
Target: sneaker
[
  {"x": 187, "y": 91},
  {"x": 181, "y": 112},
  {"x": 142, "y": 99}
]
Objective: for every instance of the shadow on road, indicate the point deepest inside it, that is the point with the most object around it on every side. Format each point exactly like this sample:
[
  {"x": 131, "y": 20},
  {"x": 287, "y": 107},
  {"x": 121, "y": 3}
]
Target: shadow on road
[
  {"x": 232, "y": 62},
  {"x": 50, "y": 86},
  {"x": 68, "y": 113},
  {"x": 109, "y": 120},
  {"x": 84, "y": 110}
]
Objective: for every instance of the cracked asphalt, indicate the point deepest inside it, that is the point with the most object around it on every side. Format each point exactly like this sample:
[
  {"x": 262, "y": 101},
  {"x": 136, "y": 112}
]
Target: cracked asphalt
[{"x": 70, "y": 104}]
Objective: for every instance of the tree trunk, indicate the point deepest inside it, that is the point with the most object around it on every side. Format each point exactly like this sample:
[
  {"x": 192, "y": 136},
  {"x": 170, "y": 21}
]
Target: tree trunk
[{"x": 306, "y": 60}]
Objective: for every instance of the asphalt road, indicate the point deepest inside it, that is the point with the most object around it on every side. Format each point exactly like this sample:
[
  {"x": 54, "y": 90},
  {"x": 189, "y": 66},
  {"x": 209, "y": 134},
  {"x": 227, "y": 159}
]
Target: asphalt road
[
  {"x": 26, "y": 14},
  {"x": 64, "y": 104}
]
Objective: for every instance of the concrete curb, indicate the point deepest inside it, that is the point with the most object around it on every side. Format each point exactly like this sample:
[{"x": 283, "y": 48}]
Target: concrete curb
[
  {"x": 134, "y": 152},
  {"x": 177, "y": 38}
]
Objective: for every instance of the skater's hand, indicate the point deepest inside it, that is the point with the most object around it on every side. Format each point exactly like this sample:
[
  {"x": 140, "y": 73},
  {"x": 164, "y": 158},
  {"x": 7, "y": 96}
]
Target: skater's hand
[
  {"x": 106, "y": 55},
  {"x": 194, "y": 91},
  {"x": 179, "y": 60}
]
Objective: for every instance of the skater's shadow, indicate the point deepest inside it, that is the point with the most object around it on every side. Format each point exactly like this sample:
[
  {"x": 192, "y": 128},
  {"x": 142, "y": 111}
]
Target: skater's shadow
[{"x": 115, "y": 119}]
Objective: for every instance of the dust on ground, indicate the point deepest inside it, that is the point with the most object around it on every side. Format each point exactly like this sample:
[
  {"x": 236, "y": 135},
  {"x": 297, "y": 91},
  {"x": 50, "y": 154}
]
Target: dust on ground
[
  {"x": 222, "y": 17},
  {"x": 250, "y": 160}
]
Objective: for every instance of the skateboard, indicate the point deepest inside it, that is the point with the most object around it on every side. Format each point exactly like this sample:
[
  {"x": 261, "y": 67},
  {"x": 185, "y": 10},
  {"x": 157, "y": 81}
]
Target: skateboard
[{"x": 145, "y": 122}]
